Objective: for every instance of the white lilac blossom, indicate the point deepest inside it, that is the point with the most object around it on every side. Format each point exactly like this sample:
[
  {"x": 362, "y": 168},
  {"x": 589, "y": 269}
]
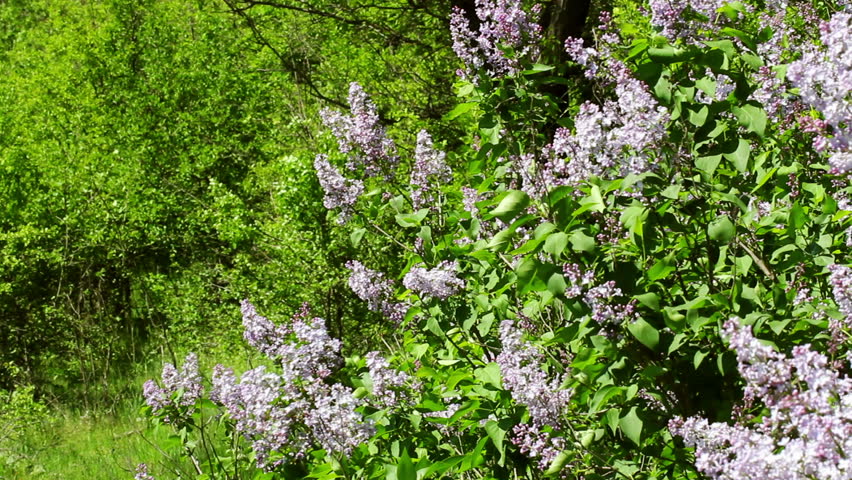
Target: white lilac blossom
[
  {"x": 362, "y": 136},
  {"x": 285, "y": 415},
  {"x": 807, "y": 432},
  {"x": 372, "y": 287},
  {"x": 824, "y": 78},
  {"x": 391, "y": 388},
  {"x": 503, "y": 25},
  {"x": 430, "y": 168},
  {"x": 339, "y": 191},
  {"x": 440, "y": 282},
  {"x": 180, "y": 390},
  {"x": 523, "y": 375}
]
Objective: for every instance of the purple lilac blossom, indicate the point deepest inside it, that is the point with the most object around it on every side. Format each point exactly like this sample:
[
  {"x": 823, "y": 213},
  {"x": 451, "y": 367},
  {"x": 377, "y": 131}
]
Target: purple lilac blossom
[
  {"x": 824, "y": 78},
  {"x": 599, "y": 298},
  {"x": 284, "y": 415},
  {"x": 372, "y": 287},
  {"x": 142, "y": 473},
  {"x": 616, "y": 138},
  {"x": 313, "y": 355},
  {"x": 334, "y": 423},
  {"x": 391, "y": 388},
  {"x": 260, "y": 333},
  {"x": 521, "y": 368},
  {"x": 362, "y": 136},
  {"x": 440, "y": 282},
  {"x": 807, "y": 433},
  {"x": 841, "y": 288},
  {"x": 604, "y": 311},
  {"x": 187, "y": 381},
  {"x": 430, "y": 169},
  {"x": 503, "y": 24},
  {"x": 339, "y": 191}
]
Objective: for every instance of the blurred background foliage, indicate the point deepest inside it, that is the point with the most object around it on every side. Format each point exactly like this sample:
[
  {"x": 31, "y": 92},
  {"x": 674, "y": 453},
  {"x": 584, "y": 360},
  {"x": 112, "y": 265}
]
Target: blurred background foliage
[{"x": 155, "y": 168}]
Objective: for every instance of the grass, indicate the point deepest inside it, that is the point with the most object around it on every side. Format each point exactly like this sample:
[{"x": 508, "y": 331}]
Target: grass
[{"x": 62, "y": 443}]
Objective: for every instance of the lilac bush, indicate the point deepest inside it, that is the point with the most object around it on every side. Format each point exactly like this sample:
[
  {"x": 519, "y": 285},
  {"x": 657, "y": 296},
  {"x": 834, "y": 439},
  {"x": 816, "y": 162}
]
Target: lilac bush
[{"x": 180, "y": 390}]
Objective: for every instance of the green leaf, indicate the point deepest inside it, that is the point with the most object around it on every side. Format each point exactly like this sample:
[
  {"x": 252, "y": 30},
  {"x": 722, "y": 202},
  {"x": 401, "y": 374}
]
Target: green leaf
[
  {"x": 460, "y": 110},
  {"x": 645, "y": 333},
  {"x": 721, "y": 229},
  {"x": 667, "y": 54},
  {"x": 739, "y": 157},
  {"x": 405, "y": 468},
  {"x": 556, "y": 284},
  {"x": 698, "y": 358},
  {"x": 443, "y": 466},
  {"x": 407, "y": 220},
  {"x": 497, "y": 436},
  {"x": 511, "y": 205},
  {"x": 580, "y": 242},
  {"x": 556, "y": 243},
  {"x": 752, "y": 117},
  {"x": 356, "y": 235},
  {"x": 797, "y": 217},
  {"x": 558, "y": 463},
  {"x": 677, "y": 341},
  {"x": 709, "y": 163},
  {"x": 593, "y": 201},
  {"x": 650, "y": 300},
  {"x": 661, "y": 269},
  {"x": 631, "y": 425},
  {"x": 602, "y": 396},
  {"x": 489, "y": 374}
]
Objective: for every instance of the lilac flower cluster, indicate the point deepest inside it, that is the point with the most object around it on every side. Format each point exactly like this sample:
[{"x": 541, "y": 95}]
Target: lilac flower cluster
[
  {"x": 503, "y": 25},
  {"x": 340, "y": 192},
  {"x": 180, "y": 390},
  {"x": 371, "y": 152},
  {"x": 372, "y": 287},
  {"x": 724, "y": 87},
  {"x": 807, "y": 433},
  {"x": 440, "y": 282},
  {"x": 684, "y": 19},
  {"x": 284, "y": 415},
  {"x": 599, "y": 298},
  {"x": 824, "y": 78},
  {"x": 142, "y": 473},
  {"x": 429, "y": 169},
  {"x": 618, "y": 137},
  {"x": 362, "y": 136},
  {"x": 391, "y": 388},
  {"x": 841, "y": 287},
  {"x": 521, "y": 367}
]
